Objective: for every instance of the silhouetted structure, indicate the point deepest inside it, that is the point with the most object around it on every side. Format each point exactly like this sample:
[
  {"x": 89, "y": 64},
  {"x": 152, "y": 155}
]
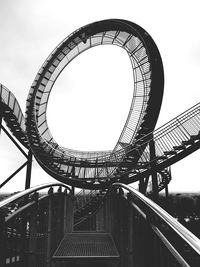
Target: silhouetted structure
[{"x": 108, "y": 222}]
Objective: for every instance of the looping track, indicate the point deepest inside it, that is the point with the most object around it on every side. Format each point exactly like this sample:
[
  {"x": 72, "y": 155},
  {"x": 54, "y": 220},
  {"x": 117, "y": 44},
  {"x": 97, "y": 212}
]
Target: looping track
[{"x": 96, "y": 169}]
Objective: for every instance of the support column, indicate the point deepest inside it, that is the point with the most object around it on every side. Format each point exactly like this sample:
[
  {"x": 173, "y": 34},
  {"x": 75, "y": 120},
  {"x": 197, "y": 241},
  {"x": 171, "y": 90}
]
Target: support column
[
  {"x": 73, "y": 190},
  {"x": 166, "y": 191},
  {"x": 28, "y": 170},
  {"x": 142, "y": 186},
  {"x": 154, "y": 173},
  {"x": 1, "y": 117}
]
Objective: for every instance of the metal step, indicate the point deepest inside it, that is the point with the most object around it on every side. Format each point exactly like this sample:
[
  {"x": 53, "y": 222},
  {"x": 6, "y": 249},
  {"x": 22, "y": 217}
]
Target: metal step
[
  {"x": 86, "y": 246},
  {"x": 188, "y": 142},
  {"x": 181, "y": 147},
  {"x": 171, "y": 152}
]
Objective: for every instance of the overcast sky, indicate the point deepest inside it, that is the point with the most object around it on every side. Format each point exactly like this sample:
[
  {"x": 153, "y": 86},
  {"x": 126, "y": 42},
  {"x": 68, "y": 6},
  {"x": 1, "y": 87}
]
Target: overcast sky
[{"x": 93, "y": 95}]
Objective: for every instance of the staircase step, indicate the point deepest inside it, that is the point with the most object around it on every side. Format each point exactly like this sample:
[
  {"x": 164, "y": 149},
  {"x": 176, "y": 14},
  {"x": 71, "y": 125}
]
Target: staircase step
[
  {"x": 171, "y": 152},
  {"x": 188, "y": 142},
  {"x": 179, "y": 147},
  {"x": 86, "y": 246},
  {"x": 163, "y": 157}
]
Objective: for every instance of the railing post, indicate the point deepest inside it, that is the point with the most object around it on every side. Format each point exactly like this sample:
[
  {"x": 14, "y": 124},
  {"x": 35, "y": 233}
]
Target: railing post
[
  {"x": 32, "y": 261},
  {"x": 109, "y": 213},
  {"x": 59, "y": 230},
  {"x": 65, "y": 211},
  {"x": 3, "y": 239},
  {"x": 68, "y": 213},
  {"x": 49, "y": 228}
]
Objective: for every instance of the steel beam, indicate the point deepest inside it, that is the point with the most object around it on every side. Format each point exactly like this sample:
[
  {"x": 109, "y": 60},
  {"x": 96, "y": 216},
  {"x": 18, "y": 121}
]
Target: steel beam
[{"x": 13, "y": 174}]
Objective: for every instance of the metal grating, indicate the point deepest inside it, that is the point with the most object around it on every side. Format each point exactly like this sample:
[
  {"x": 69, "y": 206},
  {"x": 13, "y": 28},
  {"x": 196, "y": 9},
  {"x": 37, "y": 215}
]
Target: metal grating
[{"x": 86, "y": 245}]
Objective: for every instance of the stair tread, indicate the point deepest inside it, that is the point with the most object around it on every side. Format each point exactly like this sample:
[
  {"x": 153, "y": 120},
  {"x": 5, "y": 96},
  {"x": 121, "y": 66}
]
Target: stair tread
[
  {"x": 86, "y": 245},
  {"x": 170, "y": 152},
  {"x": 180, "y": 147}
]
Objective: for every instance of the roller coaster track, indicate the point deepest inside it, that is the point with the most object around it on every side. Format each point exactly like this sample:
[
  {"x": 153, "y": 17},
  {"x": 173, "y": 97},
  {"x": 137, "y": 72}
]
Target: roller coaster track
[
  {"x": 87, "y": 169},
  {"x": 131, "y": 158},
  {"x": 173, "y": 141},
  {"x": 139, "y": 152},
  {"x": 81, "y": 168}
]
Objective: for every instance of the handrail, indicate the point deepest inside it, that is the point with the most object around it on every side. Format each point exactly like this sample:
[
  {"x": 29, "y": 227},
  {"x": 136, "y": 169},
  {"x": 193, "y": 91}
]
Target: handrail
[
  {"x": 189, "y": 237},
  {"x": 13, "y": 105},
  {"x": 26, "y": 192}
]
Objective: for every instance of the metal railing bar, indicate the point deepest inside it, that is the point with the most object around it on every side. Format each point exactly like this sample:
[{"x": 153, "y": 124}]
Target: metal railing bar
[
  {"x": 171, "y": 248},
  {"x": 28, "y": 205},
  {"x": 30, "y": 191},
  {"x": 183, "y": 232}
]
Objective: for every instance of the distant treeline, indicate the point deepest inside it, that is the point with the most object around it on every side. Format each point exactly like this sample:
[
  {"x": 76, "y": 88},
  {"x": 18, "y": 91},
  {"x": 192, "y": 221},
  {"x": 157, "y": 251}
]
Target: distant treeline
[{"x": 185, "y": 207}]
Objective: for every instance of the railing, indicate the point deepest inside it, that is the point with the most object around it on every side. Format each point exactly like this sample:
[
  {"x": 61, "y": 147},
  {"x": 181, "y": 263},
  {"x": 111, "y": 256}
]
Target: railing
[
  {"x": 12, "y": 114},
  {"x": 146, "y": 235},
  {"x": 174, "y": 140},
  {"x": 10, "y": 101},
  {"x": 74, "y": 45},
  {"x": 166, "y": 138},
  {"x": 32, "y": 224},
  {"x": 173, "y": 133}
]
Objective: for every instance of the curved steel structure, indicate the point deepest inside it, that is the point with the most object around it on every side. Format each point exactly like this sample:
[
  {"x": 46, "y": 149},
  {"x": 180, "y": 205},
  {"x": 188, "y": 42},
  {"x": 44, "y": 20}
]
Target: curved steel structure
[
  {"x": 140, "y": 152},
  {"x": 81, "y": 168}
]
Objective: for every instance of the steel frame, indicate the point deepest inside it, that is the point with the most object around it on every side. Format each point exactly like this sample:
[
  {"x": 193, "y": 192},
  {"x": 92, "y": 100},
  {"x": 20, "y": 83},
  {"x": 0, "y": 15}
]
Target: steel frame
[{"x": 27, "y": 163}]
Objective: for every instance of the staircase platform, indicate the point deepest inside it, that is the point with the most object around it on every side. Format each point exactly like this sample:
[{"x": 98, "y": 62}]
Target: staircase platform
[{"x": 87, "y": 247}]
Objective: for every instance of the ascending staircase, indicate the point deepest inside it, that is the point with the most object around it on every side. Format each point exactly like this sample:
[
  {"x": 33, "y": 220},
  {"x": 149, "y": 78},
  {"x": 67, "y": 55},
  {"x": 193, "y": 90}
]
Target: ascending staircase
[{"x": 87, "y": 202}]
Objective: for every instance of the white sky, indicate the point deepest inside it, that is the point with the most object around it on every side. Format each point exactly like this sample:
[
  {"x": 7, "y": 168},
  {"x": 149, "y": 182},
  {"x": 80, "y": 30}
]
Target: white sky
[{"x": 98, "y": 84}]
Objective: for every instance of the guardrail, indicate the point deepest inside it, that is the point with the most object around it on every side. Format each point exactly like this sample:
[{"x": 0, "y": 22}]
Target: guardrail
[
  {"x": 146, "y": 234},
  {"x": 32, "y": 224}
]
